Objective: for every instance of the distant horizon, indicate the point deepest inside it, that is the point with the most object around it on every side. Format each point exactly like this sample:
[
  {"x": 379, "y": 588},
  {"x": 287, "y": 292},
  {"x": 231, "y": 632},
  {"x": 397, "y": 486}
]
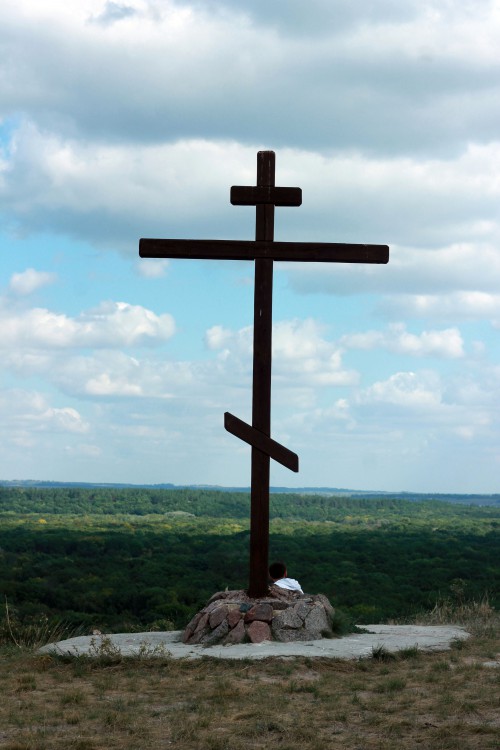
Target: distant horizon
[{"x": 237, "y": 488}]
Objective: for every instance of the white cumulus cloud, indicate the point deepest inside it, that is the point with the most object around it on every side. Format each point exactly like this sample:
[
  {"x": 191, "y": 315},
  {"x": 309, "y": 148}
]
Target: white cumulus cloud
[
  {"x": 301, "y": 353},
  {"x": 152, "y": 268},
  {"x": 110, "y": 325},
  {"x": 460, "y": 305},
  {"x": 28, "y": 281},
  {"x": 408, "y": 390},
  {"x": 447, "y": 343}
]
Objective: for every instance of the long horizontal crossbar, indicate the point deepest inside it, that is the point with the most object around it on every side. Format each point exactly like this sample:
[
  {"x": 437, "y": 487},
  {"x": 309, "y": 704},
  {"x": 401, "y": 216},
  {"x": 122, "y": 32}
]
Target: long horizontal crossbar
[
  {"x": 327, "y": 252},
  {"x": 262, "y": 442},
  {"x": 241, "y": 195}
]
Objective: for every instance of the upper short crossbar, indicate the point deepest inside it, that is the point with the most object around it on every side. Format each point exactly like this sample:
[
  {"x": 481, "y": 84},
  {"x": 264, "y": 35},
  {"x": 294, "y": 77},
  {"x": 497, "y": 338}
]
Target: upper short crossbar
[{"x": 242, "y": 195}]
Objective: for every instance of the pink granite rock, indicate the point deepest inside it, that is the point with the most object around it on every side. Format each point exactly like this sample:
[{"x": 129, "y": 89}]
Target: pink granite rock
[
  {"x": 238, "y": 595},
  {"x": 261, "y": 611},
  {"x": 233, "y": 617},
  {"x": 215, "y": 636},
  {"x": 236, "y": 635},
  {"x": 202, "y": 623},
  {"x": 259, "y": 631},
  {"x": 197, "y": 637},
  {"x": 217, "y": 616},
  {"x": 211, "y": 606},
  {"x": 191, "y": 627}
]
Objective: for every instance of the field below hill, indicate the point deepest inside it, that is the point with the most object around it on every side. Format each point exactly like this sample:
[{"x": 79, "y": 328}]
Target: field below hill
[
  {"x": 135, "y": 559},
  {"x": 436, "y": 701}
]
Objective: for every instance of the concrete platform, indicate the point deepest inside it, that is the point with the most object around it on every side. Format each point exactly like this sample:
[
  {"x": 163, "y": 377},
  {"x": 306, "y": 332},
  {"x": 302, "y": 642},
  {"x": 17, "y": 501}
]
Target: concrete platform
[{"x": 355, "y": 646}]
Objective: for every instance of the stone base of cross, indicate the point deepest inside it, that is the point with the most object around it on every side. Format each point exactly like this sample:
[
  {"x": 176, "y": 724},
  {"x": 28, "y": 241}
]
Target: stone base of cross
[{"x": 264, "y": 250}]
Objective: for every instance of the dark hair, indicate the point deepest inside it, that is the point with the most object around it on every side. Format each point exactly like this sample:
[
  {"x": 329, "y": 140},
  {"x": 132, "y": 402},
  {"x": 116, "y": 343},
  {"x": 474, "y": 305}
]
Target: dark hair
[{"x": 277, "y": 570}]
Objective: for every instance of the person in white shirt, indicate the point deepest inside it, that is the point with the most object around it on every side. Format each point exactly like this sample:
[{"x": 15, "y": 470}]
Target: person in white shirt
[{"x": 278, "y": 574}]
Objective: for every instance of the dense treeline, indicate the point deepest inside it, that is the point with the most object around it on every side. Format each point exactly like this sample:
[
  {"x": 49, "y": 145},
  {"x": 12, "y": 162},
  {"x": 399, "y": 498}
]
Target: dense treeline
[
  {"x": 464, "y": 498},
  {"x": 215, "y": 504},
  {"x": 126, "y": 569}
]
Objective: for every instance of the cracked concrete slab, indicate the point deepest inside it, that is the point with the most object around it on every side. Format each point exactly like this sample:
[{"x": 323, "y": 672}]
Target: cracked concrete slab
[{"x": 393, "y": 638}]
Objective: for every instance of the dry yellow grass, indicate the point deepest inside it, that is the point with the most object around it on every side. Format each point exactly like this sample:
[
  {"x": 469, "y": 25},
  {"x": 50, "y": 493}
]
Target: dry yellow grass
[{"x": 418, "y": 701}]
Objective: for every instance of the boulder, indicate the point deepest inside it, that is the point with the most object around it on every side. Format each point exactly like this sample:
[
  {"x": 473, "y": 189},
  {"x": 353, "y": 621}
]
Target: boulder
[
  {"x": 215, "y": 636},
  {"x": 287, "y": 618},
  {"x": 316, "y": 622},
  {"x": 217, "y": 616},
  {"x": 289, "y": 635},
  {"x": 236, "y": 635},
  {"x": 232, "y": 617},
  {"x": 259, "y": 631},
  {"x": 262, "y": 611}
]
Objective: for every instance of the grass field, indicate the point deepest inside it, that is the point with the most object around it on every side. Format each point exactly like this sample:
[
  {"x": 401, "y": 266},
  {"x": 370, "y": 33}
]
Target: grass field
[{"x": 424, "y": 701}]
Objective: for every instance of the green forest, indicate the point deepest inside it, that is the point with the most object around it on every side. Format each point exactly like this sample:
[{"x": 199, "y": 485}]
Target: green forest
[{"x": 137, "y": 558}]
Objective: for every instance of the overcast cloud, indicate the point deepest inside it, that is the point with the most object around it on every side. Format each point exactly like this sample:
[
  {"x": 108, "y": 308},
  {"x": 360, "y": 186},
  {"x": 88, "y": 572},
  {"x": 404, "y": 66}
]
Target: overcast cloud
[{"x": 127, "y": 119}]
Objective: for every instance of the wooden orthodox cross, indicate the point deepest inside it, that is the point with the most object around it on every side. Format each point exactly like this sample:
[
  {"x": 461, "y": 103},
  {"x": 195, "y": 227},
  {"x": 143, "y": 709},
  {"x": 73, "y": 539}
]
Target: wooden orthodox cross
[{"x": 264, "y": 196}]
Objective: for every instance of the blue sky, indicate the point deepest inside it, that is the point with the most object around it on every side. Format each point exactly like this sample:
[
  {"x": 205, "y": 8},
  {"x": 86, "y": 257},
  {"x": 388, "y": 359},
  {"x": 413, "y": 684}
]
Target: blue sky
[{"x": 121, "y": 120}]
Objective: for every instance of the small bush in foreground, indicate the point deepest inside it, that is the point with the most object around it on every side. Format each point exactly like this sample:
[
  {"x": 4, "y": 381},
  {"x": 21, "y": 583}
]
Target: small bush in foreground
[
  {"x": 476, "y": 615},
  {"x": 31, "y": 633}
]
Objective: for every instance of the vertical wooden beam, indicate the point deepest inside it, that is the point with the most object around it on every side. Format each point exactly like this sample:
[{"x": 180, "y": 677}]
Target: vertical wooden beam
[{"x": 261, "y": 394}]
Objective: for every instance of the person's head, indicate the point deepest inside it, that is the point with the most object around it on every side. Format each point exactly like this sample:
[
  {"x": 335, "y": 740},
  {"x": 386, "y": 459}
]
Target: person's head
[{"x": 277, "y": 570}]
